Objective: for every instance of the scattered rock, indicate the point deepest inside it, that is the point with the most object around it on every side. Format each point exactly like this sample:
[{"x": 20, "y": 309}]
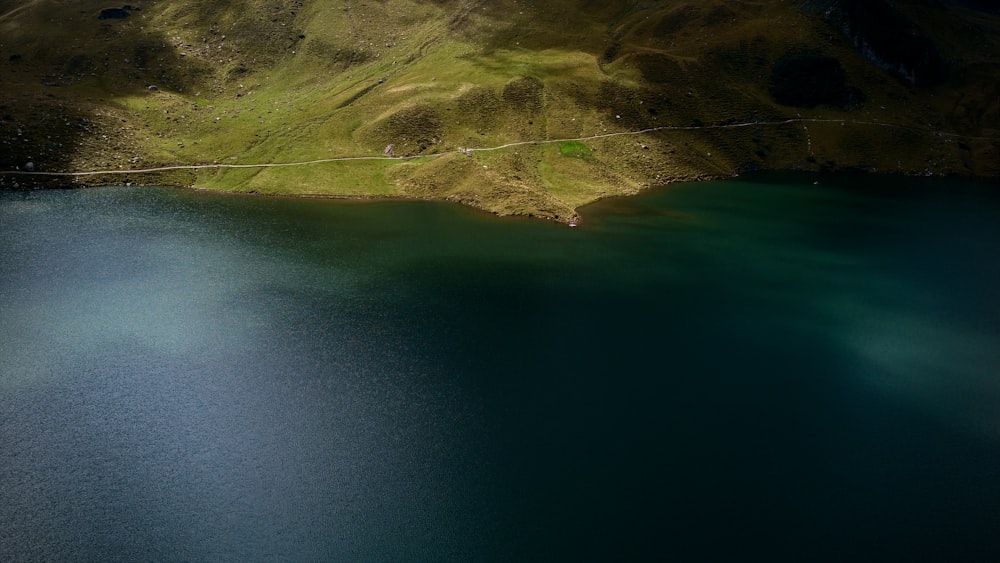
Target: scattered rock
[{"x": 29, "y": 167}]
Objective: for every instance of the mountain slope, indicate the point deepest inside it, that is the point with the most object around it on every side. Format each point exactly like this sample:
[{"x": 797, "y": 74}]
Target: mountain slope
[{"x": 276, "y": 81}]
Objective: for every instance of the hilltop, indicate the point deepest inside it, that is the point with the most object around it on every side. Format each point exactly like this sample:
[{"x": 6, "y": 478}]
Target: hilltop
[{"x": 908, "y": 87}]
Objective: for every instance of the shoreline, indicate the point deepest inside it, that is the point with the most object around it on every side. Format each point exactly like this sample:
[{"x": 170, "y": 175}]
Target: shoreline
[
  {"x": 147, "y": 176},
  {"x": 580, "y": 212}
]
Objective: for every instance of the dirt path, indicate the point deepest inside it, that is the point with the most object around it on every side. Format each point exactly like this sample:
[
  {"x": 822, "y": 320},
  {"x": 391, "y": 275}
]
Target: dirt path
[
  {"x": 350, "y": 18},
  {"x": 211, "y": 166},
  {"x": 497, "y": 148}
]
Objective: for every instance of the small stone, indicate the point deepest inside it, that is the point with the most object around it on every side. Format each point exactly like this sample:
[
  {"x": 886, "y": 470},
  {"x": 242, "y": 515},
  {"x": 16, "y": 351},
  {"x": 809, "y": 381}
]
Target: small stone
[{"x": 29, "y": 167}]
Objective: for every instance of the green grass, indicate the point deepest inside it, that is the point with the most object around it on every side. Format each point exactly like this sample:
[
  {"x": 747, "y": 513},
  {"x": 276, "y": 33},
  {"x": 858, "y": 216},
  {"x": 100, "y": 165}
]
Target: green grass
[
  {"x": 348, "y": 179},
  {"x": 575, "y": 149}
]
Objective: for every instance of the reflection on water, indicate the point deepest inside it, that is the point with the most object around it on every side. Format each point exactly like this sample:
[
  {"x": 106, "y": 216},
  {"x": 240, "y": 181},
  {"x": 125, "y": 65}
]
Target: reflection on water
[{"x": 763, "y": 369}]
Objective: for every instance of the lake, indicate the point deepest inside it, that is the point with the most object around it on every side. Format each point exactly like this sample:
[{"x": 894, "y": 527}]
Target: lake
[{"x": 778, "y": 368}]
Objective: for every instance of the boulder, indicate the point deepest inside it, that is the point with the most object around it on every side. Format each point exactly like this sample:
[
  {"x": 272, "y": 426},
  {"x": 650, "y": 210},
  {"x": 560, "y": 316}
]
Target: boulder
[{"x": 114, "y": 13}]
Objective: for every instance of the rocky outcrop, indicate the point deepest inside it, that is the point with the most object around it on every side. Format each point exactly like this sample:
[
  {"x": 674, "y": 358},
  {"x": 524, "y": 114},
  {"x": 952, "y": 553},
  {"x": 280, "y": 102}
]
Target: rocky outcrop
[{"x": 885, "y": 36}]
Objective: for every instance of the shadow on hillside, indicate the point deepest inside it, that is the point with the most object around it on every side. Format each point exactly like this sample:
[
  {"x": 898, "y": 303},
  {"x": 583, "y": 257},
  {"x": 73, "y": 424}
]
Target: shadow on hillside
[
  {"x": 61, "y": 73},
  {"x": 580, "y": 25}
]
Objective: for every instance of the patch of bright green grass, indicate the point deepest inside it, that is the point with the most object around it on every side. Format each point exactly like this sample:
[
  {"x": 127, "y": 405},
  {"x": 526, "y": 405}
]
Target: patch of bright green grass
[{"x": 575, "y": 149}]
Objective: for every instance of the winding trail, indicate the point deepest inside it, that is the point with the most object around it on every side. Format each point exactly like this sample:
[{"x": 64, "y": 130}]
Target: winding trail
[{"x": 497, "y": 148}]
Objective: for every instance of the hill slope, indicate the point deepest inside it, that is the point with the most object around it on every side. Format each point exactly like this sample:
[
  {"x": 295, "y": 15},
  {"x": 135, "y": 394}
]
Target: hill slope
[{"x": 277, "y": 81}]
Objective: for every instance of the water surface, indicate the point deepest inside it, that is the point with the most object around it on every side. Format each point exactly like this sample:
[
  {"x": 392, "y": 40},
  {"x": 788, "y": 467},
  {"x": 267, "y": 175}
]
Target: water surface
[{"x": 767, "y": 369}]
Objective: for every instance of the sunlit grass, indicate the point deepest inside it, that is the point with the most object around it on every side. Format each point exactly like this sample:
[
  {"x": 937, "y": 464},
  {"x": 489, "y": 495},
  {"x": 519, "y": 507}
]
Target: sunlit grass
[{"x": 574, "y": 149}]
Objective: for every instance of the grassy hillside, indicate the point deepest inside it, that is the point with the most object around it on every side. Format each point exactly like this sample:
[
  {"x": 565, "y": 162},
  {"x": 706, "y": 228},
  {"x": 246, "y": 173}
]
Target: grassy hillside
[{"x": 274, "y": 81}]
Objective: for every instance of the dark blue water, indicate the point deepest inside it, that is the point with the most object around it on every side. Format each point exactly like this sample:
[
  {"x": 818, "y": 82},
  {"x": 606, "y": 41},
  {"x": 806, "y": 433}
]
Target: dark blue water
[{"x": 761, "y": 370}]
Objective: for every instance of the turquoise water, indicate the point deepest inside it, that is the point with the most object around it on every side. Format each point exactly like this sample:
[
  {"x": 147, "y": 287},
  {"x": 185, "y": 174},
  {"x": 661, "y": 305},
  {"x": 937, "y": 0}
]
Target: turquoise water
[{"x": 758, "y": 370}]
